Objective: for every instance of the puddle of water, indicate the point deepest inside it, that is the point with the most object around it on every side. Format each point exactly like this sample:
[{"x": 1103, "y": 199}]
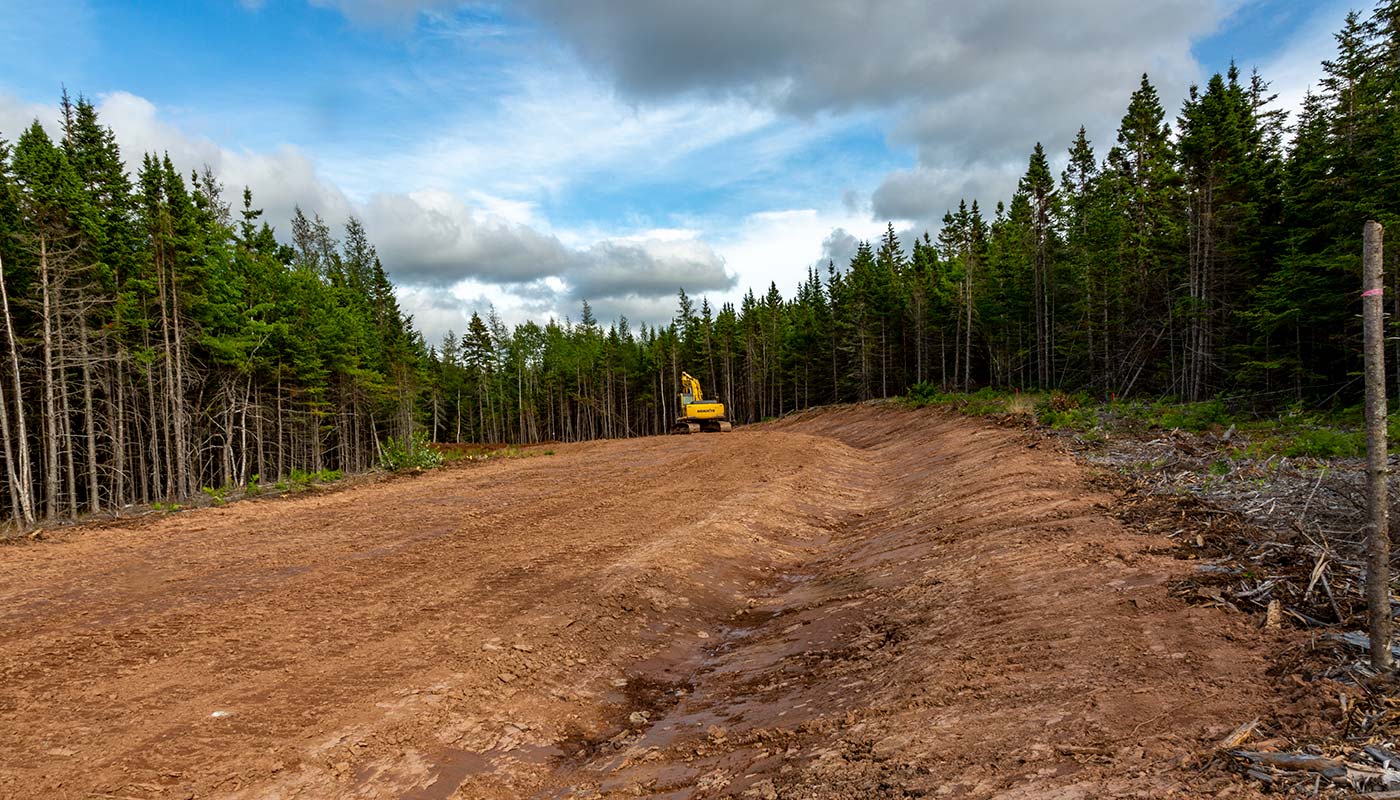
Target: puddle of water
[{"x": 454, "y": 766}]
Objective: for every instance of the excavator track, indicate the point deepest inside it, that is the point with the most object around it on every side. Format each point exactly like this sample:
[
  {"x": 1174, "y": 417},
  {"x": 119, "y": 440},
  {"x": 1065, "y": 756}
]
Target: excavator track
[{"x": 685, "y": 427}]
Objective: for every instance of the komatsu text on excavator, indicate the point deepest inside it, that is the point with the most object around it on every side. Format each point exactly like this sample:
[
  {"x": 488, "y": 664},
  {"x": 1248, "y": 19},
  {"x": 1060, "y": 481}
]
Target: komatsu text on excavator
[{"x": 697, "y": 413}]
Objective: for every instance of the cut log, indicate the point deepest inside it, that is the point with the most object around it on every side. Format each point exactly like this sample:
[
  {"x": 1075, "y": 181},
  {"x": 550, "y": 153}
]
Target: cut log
[
  {"x": 1328, "y": 767},
  {"x": 1239, "y": 735}
]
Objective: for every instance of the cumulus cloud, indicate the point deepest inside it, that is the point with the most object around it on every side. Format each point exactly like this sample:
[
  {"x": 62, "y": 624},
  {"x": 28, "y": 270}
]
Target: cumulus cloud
[
  {"x": 717, "y": 97},
  {"x": 435, "y": 238},
  {"x": 281, "y": 179},
  {"x": 649, "y": 268},
  {"x": 970, "y": 86},
  {"x": 449, "y": 253},
  {"x": 838, "y": 248},
  {"x": 429, "y": 237},
  {"x": 925, "y": 193},
  {"x": 17, "y": 115},
  {"x": 964, "y": 70},
  {"x": 778, "y": 247}
]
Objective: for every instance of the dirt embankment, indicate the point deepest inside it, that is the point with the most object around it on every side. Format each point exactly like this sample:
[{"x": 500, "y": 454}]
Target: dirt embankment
[{"x": 856, "y": 603}]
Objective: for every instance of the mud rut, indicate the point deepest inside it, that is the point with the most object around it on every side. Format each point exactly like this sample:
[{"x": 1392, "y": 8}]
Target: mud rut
[{"x": 863, "y": 602}]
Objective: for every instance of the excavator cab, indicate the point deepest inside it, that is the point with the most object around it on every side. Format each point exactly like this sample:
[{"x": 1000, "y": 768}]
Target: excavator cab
[{"x": 699, "y": 415}]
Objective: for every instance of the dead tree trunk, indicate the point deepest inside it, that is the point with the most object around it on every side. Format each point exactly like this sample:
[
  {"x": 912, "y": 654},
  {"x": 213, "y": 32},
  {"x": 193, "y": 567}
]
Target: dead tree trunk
[
  {"x": 51, "y": 432},
  {"x": 1377, "y": 525},
  {"x": 18, "y": 467},
  {"x": 89, "y": 412}
]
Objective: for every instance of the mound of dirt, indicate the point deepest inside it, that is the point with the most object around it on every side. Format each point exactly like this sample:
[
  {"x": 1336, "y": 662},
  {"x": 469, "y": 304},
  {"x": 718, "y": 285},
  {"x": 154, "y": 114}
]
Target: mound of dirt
[{"x": 862, "y": 602}]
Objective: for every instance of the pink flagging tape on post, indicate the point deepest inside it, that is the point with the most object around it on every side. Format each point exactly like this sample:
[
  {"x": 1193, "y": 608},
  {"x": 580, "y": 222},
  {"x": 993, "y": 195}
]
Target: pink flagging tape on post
[{"x": 1372, "y": 292}]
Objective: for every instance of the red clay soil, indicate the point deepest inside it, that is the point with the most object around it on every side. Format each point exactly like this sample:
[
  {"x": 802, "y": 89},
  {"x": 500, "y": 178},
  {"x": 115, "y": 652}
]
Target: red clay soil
[{"x": 855, "y": 603}]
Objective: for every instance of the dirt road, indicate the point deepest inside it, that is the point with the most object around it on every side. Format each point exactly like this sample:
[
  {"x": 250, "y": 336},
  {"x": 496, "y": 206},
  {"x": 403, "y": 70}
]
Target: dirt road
[{"x": 856, "y": 603}]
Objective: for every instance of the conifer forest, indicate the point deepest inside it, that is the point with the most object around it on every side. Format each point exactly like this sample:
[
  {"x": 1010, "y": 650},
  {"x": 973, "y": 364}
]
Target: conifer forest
[{"x": 160, "y": 335}]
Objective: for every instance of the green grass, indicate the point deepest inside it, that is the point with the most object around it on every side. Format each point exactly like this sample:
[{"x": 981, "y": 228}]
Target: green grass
[
  {"x": 300, "y": 479},
  {"x": 466, "y": 452},
  {"x": 981, "y": 403},
  {"x": 1295, "y": 431}
]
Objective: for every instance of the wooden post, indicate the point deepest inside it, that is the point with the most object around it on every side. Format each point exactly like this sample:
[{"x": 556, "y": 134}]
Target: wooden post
[{"x": 1377, "y": 523}]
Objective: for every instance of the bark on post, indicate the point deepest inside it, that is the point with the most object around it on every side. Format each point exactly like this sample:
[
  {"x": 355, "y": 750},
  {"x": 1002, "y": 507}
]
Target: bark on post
[{"x": 1377, "y": 525}]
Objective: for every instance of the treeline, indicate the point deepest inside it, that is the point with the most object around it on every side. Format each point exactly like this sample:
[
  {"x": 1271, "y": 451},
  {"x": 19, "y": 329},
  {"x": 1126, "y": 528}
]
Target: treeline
[
  {"x": 1218, "y": 252},
  {"x": 157, "y": 341}
]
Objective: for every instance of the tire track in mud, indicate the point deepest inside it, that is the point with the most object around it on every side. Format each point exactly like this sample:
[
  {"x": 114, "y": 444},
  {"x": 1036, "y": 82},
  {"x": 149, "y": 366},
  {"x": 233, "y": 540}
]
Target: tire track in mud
[{"x": 862, "y": 602}]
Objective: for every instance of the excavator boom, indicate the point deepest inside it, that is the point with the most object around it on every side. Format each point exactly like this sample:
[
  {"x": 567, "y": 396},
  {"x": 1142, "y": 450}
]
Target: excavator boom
[{"x": 691, "y": 386}]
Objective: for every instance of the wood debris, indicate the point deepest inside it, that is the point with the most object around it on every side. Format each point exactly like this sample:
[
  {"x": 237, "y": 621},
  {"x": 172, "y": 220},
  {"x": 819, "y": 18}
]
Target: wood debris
[{"x": 1279, "y": 538}]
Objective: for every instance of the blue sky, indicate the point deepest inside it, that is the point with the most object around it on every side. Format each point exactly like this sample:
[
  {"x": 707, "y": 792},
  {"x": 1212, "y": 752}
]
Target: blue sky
[{"x": 533, "y": 154}]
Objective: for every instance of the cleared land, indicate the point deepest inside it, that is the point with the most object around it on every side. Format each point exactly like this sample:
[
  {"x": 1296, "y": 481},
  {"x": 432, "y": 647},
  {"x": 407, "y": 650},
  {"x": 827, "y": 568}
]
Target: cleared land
[{"x": 861, "y": 602}]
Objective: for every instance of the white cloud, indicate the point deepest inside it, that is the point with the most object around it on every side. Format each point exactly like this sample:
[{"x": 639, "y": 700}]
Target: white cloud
[
  {"x": 923, "y": 194},
  {"x": 778, "y": 246},
  {"x": 965, "y": 74},
  {"x": 703, "y": 98},
  {"x": 970, "y": 87},
  {"x": 281, "y": 179},
  {"x": 546, "y": 132},
  {"x": 433, "y": 237},
  {"x": 647, "y": 268},
  {"x": 17, "y": 115},
  {"x": 450, "y": 253}
]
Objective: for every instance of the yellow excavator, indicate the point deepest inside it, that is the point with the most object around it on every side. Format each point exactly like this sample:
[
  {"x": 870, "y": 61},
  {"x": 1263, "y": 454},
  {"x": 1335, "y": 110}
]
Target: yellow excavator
[{"x": 697, "y": 413}]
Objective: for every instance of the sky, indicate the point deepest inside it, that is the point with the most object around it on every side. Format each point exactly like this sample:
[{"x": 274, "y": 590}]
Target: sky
[{"x": 527, "y": 156}]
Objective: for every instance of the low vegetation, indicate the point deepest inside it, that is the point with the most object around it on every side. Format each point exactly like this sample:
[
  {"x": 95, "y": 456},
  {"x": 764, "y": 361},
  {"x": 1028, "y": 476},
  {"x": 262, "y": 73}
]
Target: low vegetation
[
  {"x": 409, "y": 453},
  {"x": 1293, "y": 431}
]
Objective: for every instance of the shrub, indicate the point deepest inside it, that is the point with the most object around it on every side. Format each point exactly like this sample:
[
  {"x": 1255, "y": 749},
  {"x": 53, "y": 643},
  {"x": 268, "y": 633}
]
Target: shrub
[
  {"x": 414, "y": 452},
  {"x": 1075, "y": 419},
  {"x": 1194, "y": 417},
  {"x": 1021, "y": 405},
  {"x": 1326, "y": 443},
  {"x": 1067, "y": 412},
  {"x": 984, "y": 402},
  {"x": 923, "y": 394}
]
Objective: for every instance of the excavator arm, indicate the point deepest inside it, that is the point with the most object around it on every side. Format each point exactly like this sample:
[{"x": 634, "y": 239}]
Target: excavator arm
[{"x": 691, "y": 386}]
